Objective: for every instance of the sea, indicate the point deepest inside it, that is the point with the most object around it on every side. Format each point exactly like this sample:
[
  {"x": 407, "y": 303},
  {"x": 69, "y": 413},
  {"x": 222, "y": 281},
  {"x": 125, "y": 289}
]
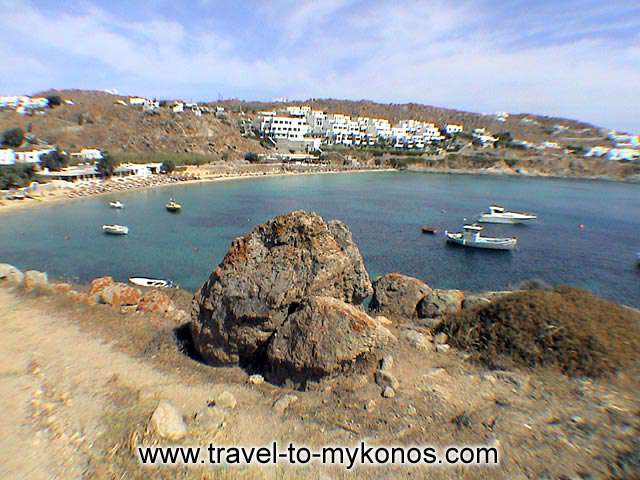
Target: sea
[{"x": 587, "y": 234}]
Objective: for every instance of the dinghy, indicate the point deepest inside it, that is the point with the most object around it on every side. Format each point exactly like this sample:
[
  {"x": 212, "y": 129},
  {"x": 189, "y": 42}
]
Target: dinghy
[
  {"x": 470, "y": 237},
  {"x": 115, "y": 229},
  {"x": 116, "y": 204},
  {"x": 173, "y": 206}
]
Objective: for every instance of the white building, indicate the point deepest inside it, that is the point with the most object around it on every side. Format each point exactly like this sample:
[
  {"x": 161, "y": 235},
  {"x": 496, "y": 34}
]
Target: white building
[
  {"x": 623, "y": 154},
  {"x": 137, "y": 100},
  {"x": 7, "y": 156},
  {"x": 282, "y": 127},
  {"x": 31, "y": 157},
  {"x": 177, "y": 107},
  {"x": 298, "y": 111},
  {"x": 316, "y": 120},
  {"x": 89, "y": 154},
  {"x": 452, "y": 129},
  {"x": 598, "y": 151}
]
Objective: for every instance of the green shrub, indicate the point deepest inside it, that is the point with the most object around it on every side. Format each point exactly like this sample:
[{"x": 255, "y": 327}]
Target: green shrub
[{"x": 13, "y": 137}]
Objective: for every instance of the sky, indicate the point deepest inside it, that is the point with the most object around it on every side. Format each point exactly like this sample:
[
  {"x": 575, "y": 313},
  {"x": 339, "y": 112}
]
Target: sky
[{"x": 575, "y": 59}]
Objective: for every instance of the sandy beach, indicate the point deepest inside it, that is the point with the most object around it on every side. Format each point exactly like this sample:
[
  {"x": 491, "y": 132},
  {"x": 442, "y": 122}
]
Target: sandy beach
[{"x": 191, "y": 175}]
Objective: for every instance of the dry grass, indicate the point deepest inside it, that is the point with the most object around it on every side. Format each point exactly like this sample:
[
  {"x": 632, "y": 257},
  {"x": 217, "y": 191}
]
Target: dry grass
[{"x": 566, "y": 328}]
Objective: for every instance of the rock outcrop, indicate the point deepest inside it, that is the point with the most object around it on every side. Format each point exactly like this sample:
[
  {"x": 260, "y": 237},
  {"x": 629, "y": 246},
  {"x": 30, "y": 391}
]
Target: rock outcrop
[
  {"x": 440, "y": 303},
  {"x": 10, "y": 274},
  {"x": 119, "y": 295},
  {"x": 324, "y": 336},
  {"x": 268, "y": 273},
  {"x": 35, "y": 280},
  {"x": 398, "y": 295},
  {"x": 155, "y": 301}
]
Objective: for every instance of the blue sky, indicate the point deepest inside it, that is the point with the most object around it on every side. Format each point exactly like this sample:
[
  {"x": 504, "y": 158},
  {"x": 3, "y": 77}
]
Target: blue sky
[{"x": 578, "y": 59}]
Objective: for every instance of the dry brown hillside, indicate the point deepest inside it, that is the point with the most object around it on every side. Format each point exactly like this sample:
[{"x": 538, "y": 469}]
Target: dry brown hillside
[{"x": 97, "y": 120}]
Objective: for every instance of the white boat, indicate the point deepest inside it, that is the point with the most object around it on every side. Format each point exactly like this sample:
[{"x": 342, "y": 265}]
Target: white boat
[
  {"x": 470, "y": 237},
  {"x": 498, "y": 214},
  {"x": 116, "y": 204},
  {"x": 151, "y": 282},
  {"x": 115, "y": 229}
]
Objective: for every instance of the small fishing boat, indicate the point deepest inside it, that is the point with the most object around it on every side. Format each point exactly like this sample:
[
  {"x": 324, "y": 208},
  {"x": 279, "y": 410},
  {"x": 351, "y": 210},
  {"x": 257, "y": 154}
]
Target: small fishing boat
[
  {"x": 498, "y": 214},
  {"x": 429, "y": 230},
  {"x": 470, "y": 237},
  {"x": 115, "y": 229},
  {"x": 173, "y": 206},
  {"x": 151, "y": 282},
  {"x": 116, "y": 204}
]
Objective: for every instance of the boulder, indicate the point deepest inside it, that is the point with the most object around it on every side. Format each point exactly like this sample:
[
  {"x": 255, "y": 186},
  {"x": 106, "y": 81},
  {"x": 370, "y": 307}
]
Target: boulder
[
  {"x": 167, "y": 421},
  {"x": 155, "y": 301},
  {"x": 226, "y": 400},
  {"x": 267, "y": 273},
  {"x": 417, "y": 340},
  {"x": 440, "y": 303},
  {"x": 35, "y": 280},
  {"x": 10, "y": 274},
  {"x": 322, "y": 337},
  {"x": 119, "y": 295},
  {"x": 283, "y": 402},
  {"x": 399, "y": 295},
  {"x": 99, "y": 284}
]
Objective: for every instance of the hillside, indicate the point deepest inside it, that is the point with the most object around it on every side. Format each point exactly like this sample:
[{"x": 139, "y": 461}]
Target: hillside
[{"x": 101, "y": 120}]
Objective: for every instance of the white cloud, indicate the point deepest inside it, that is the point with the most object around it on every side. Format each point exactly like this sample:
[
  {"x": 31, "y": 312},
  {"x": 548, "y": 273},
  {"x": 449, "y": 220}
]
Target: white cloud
[{"x": 437, "y": 53}]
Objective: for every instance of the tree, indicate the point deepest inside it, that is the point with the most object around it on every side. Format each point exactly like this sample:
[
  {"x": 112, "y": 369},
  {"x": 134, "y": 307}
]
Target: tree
[
  {"x": 13, "y": 137},
  {"x": 54, "y": 100},
  {"x": 168, "y": 166},
  {"x": 106, "y": 165},
  {"x": 54, "y": 160},
  {"x": 251, "y": 157}
]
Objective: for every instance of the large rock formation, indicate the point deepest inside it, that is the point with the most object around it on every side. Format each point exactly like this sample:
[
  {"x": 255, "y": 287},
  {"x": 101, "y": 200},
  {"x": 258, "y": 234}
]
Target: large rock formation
[
  {"x": 265, "y": 276},
  {"x": 323, "y": 336},
  {"x": 398, "y": 295}
]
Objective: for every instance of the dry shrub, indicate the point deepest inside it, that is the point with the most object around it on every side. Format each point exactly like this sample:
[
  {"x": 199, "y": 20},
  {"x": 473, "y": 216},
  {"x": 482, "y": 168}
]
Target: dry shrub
[{"x": 567, "y": 328}]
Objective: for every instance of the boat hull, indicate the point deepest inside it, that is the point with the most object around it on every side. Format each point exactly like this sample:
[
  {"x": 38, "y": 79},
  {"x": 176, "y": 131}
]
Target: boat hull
[
  {"x": 115, "y": 230},
  {"x": 150, "y": 282},
  {"x": 491, "y": 244},
  {"x": 507, "y": 220}
]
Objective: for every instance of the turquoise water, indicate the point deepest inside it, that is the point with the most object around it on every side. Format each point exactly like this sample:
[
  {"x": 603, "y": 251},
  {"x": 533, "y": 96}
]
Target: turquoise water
[{"x": 383, "y": 210}]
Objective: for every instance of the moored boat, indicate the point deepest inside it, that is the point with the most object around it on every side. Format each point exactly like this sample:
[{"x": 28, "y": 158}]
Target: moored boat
[
  {"x": 470, "y": 237},
  {"x": 115, "y": 229},
  {"x": 173, "y": 206},
  {"x": 429, "y": 230},
  {"x": 498, "y": 214},
  {"x": 151, "y": 282},
  {"x": 116, "y": 204}
]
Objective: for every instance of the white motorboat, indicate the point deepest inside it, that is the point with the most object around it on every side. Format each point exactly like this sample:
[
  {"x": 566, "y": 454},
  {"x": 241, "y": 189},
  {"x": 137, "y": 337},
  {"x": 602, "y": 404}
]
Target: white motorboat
[
  {"x": 115, "y": 229},
  {"x": 470, "y": 237},
  {"x": 151, "y": 282},
  {"x": 116, "y": 204},
  {"x": 498, "y": 214}
]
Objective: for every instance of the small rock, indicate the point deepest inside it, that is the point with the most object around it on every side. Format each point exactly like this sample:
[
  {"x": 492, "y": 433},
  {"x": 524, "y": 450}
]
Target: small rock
[
  {"x": 442, "y": 347},
  {"x": 383, "y": 320},
  {"x": 441, "y": 338},
  {"x": 256, "y": 379},
  {"x": 99, "y": 284},
  {"x": 120, "y": 294},
  {"x": 387, "y": 363},
  {"x": 226, "y": 400},
  {"x": 411, "y": 411},
  {"x": 155, "y": 301},
  {"x": 211, "y": 418},
  {"x": 11, "y": 274},
  {"x": 388, "y": 392},
  {"x": 385, "y": 378},
  {"x": 34, "y": 280},
  {"x": 283, "y": 403},
  {"x": 167, "y": 421},
  {"x": 417, "y": 340},
  {"x": 370, "y": 406}
]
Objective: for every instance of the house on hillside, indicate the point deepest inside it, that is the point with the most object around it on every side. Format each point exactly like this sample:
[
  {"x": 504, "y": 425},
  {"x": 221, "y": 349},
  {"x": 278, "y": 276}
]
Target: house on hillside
[
  {"x": 177, "y": 107},
  {"x": 33, "y": 156},
  {"x": 452, "y": 129},
  {"x": 137, "y": 100},
  {"x": 7, "y": 156},
  {"x": 627, "y": 154},
  {"x": 88, "y": 154},
  {"x": 598, "y": 151}
]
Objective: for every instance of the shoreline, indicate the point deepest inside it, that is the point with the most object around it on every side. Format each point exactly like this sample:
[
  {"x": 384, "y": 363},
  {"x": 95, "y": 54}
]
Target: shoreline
[{"x": 62, "y": 195}]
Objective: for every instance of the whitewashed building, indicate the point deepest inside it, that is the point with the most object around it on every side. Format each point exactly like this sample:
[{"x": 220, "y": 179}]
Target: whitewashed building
[
  {"x": 7, "y": 156},
  {"x": 88, "y": 154},
  {"x": 282, "y": 127},
  {"x": 452, "y": 129},
  {"x": 32, "y": 157},
  {"x": 623, "y": 154},
  {"x": 137, "y": 100}
]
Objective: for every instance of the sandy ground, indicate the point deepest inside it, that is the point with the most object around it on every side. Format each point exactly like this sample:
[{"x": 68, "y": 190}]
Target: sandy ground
[
  {"x": 79, "y": 384},
  {"x": 62, "y": 195}
]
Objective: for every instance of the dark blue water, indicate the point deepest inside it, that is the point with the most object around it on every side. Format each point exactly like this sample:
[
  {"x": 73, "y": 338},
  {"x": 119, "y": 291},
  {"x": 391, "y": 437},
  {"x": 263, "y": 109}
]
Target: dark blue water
[{"x": 384, "y": 212}]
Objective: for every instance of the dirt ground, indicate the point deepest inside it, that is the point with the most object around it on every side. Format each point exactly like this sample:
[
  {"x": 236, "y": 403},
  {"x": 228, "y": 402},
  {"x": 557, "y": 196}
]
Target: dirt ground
[{"x": 79, "y": 384}]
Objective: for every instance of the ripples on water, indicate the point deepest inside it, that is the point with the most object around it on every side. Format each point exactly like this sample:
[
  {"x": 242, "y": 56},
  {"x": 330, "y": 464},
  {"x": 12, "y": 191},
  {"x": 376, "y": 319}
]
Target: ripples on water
[{"x": 383, "y": 210}]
